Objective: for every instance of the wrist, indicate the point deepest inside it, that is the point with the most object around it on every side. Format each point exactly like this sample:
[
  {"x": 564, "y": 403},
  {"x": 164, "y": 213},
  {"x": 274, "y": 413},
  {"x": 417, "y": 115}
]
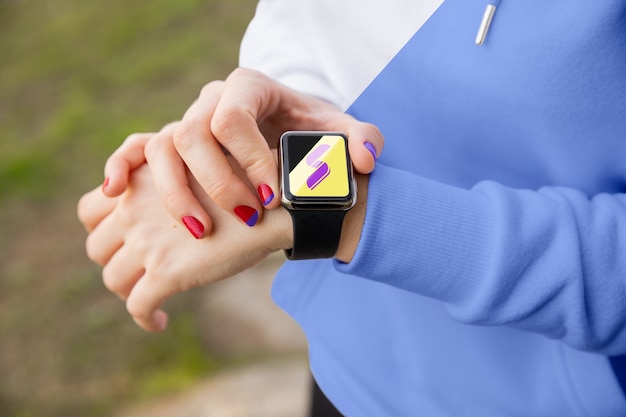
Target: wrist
[
  {"x": 280, "y": 219},
  {"x": 353, "y": 222},
  {"x": 350, "y": 231}
]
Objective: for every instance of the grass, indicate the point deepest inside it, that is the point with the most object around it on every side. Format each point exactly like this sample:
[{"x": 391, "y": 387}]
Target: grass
[
  {"x": 76, "y": 78},
  {"x": 80, "y": 76}
]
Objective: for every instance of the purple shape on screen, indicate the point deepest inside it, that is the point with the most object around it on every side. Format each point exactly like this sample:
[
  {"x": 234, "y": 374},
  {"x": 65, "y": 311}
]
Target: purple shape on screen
[
  {"x": 313, "y": 158},
  {"x": 318, "y": 176}
]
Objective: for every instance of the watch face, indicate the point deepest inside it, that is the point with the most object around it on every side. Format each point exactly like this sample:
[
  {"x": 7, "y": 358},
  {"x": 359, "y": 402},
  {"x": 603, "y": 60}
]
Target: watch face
[{"x": 316, "y": 167}]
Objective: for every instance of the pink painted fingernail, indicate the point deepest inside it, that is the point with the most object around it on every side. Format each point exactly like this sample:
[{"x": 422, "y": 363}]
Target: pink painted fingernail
[
  {"x": 371, "y": 148},
  {"x": 194, "y": 226},
  {"x": 247, "y": 214},
  {"x": 265, "y": 193},
  {"x": 160, "y": 320}
]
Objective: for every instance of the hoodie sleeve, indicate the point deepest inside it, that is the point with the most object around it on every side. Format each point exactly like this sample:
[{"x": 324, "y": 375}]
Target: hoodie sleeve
[{"x": 550, "y": 261}]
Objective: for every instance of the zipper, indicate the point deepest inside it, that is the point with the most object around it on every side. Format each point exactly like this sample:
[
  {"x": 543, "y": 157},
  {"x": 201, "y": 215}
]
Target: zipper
[{"x": 485, "y": 24}]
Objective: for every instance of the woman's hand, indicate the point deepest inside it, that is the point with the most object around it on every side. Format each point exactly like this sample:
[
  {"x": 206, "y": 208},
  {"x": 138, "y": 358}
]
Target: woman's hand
[
  {"x": 147, "y": 257},
  {"x": 244, "y": 116}
]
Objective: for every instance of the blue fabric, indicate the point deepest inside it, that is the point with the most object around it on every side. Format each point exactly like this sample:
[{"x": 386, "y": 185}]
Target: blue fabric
[
  {"x": 490, "y": 279},
  {"x": 618, "y": 364}
]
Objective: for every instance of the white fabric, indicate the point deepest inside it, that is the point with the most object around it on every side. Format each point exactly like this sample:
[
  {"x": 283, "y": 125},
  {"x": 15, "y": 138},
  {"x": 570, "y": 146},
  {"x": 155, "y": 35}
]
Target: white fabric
[{"x": 328, "y": 48}]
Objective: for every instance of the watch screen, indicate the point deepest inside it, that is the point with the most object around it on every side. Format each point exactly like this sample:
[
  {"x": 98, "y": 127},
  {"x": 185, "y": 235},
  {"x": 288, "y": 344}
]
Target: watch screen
[{"x": 318, "y": 166}]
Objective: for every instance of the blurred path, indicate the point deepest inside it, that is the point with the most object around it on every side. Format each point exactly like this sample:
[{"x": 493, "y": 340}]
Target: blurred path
[
  {"x": 240, "y": 318},
  {"x": 272, "y": 389}
]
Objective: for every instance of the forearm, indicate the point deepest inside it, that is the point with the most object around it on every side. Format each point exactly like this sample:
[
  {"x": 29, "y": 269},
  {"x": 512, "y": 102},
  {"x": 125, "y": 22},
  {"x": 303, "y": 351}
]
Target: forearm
[{"x": 539, "y": 260}]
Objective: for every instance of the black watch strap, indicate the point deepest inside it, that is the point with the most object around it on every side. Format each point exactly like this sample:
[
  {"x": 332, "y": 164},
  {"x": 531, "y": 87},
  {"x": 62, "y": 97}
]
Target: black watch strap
[{"x": 316, "y": 233}]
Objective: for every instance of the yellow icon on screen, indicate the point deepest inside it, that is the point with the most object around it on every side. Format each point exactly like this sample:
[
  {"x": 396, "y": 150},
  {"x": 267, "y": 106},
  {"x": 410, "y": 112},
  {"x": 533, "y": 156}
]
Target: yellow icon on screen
[{"x": 322, "y": 172}]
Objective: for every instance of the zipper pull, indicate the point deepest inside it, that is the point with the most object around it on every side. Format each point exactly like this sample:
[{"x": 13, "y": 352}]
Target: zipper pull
[{"x": 490, "y": 10}]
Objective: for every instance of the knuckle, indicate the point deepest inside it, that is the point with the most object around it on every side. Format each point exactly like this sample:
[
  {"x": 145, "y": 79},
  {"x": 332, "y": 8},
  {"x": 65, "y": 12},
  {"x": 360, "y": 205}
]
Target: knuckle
[
  {"x": 186, "y": 134},
  {"x": 92, "y": 250},
  {"x": 211, "y": 88},
  {"x": 134, "y": 137},
  {"x": 170, "y": 127},
  {"x": 225, "y": 121},
  {"x": 170, "y": 198},
  {"x": 135, "y": 309},
  {"x": 111, "y": 281},
  {"x": 219, "y": 188},
  {"x": 133, "y": 141},
  {"x": 157, "y": 145},
  {"x": 152, "y": 148},
  {"x": 81, "y": 210},
  {"x": 241, "y": 74},
  {"x": 374, "y": 131},
  {"x": 237, "y": 73},
  {"x": 255, "y": 165}
]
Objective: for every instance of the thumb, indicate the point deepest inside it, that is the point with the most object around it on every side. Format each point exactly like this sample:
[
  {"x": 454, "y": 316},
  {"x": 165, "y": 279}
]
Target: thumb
[{"x": 365, "y": 143}]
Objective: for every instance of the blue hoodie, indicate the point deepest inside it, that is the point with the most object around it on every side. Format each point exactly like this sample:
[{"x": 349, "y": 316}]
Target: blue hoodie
[{"x": 490, "y": 279}]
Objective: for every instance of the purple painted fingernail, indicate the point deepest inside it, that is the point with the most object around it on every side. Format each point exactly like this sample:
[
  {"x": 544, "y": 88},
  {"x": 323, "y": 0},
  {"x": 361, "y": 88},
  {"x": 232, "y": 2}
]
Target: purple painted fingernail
[
  {"x": 247, "y": 214},
  {"x": 371, "y": 148},
  {"x": 265, "y": 194}
]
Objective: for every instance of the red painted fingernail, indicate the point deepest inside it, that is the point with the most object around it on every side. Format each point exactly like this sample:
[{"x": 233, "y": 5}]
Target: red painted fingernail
[
  {"x": 105, "y": 184},
  {"x": 194, "y": 226},
  {"x": 247, "y": 214},
  {"x": 265, "y": 193}
]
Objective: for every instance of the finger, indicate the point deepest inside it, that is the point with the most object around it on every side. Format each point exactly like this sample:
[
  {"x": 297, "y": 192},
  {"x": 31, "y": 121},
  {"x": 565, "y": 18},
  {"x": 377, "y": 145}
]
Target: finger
[
  {"x": 93, "y": 207},
  {"x": 104, "y": 240},
  {"x": 170, "y": 178},
  {"x": 365, "y": 143},
  {"x": 207, "y": 162},
  {"x": 247, "y": 98},
  {"x": 144, "y": 305},
  {"x": 127, "y": 157},
  {"x": 122, "y": 272}
]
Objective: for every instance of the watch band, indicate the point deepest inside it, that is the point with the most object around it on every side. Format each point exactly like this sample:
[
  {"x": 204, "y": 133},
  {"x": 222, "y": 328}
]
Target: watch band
[{"x": 316, "y": 233}]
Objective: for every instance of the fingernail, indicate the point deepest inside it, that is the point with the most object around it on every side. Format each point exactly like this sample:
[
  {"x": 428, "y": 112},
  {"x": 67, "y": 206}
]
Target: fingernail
[
  {"x": 265, "y": 193},
  {"x": 105, "y": 184},
  {"x": 371, "y": 148},
  {"x": 247, "y": 214},
  {"x": 160, "y": 320},
  {"x": 194, "y": 226}
]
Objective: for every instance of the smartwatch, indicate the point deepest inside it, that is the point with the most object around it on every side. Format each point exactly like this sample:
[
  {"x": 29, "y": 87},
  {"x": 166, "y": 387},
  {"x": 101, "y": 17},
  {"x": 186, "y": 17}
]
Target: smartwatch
[{"x": 317, "y": 189}]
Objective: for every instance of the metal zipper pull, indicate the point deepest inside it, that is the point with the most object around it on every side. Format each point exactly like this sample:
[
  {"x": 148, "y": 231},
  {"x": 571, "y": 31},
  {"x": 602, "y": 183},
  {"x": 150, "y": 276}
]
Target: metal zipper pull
[{"x": 490, "y": 10}]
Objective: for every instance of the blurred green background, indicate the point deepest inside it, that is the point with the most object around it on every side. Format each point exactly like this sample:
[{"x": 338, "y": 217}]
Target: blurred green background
[{"x": 76, "y": 78}]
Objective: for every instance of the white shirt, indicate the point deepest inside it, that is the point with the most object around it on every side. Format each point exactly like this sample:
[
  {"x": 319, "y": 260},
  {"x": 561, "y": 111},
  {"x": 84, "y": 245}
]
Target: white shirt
[{"x": 328, "y": 48}]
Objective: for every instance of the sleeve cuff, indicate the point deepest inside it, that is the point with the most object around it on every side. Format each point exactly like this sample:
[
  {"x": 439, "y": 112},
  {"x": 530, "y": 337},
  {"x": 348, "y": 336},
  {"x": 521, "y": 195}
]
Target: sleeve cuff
[{"x": 422, "y": 236}]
